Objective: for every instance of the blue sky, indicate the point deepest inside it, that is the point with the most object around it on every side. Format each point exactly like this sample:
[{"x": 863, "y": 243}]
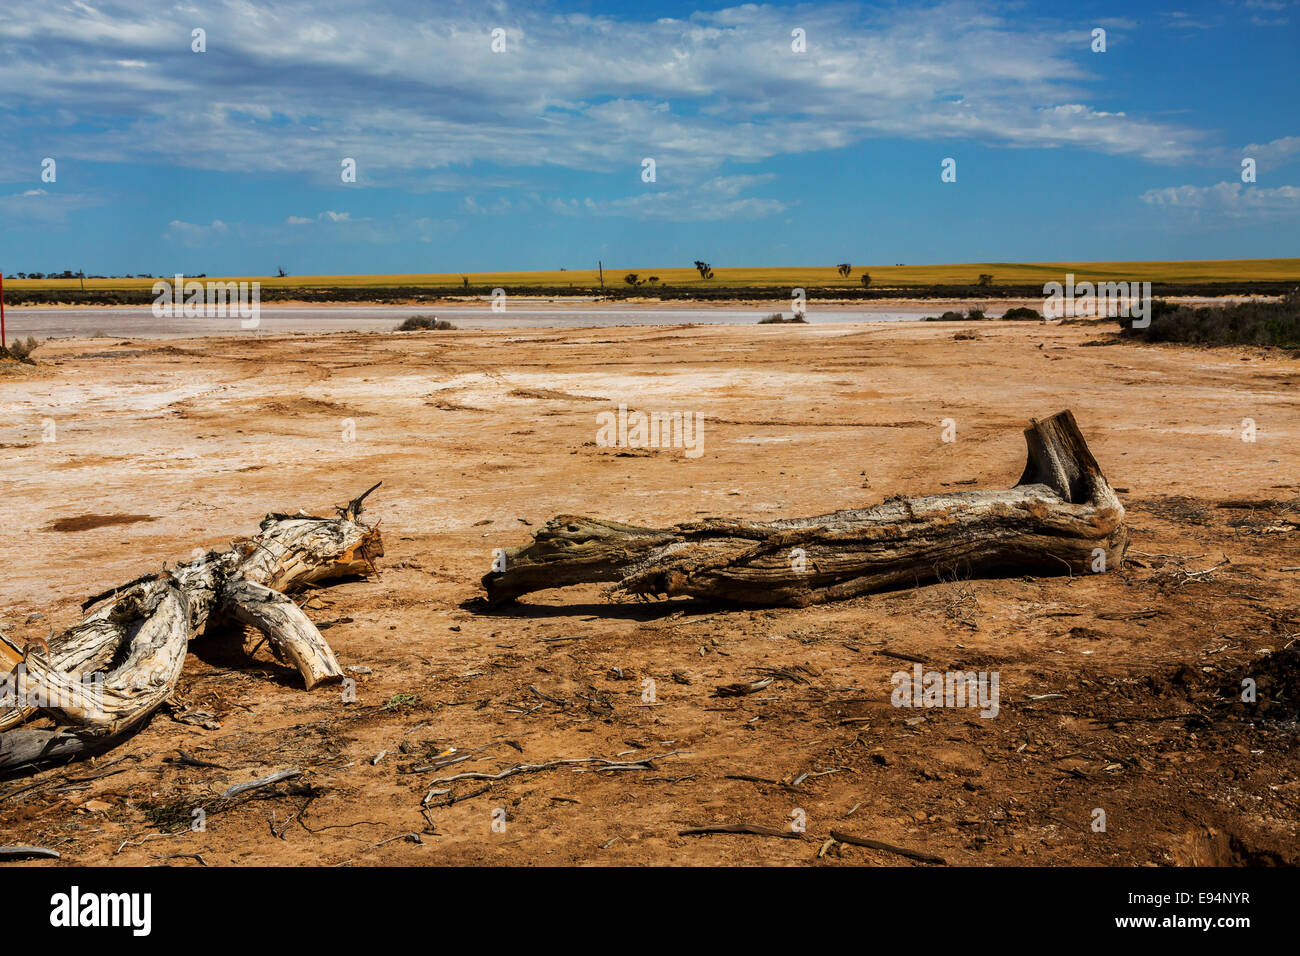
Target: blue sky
[{"x": 228, "y": 161}]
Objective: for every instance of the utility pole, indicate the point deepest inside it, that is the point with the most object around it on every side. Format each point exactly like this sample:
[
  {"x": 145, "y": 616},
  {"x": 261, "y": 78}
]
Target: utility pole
[
  {"x": 2, "y": 311},
  {"x": 601, "y": 266}
]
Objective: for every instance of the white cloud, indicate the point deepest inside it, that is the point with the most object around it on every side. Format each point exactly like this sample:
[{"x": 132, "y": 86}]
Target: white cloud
[
  {"x": 407, "y": 89},
  {"x": 715, "y": 199},
  {"x": 325, "y": 226},
  {"x": 327, "y": 216},
  {"x": 1230, "y": 200},
  {"x": 192, "y": 234},
  {"x": 40, "y": 207},
  {"x": 499, "y": 207},
  {"x": 1273, "y": 154}
]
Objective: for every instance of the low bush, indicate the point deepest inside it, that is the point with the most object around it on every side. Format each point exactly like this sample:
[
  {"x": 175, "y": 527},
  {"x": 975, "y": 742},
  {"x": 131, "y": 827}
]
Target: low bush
[
  {"x": 1244, "y": 323},
  {"x": 421, "y": 322},
  {"x": 21, "y": 349},
  {"x": 1021, "y": 314}
]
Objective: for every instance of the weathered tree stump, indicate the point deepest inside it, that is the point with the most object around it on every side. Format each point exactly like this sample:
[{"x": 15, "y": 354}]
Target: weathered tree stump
[
  {"x": 1061, "y": 516},
  {"x": 101, "y": 678}
]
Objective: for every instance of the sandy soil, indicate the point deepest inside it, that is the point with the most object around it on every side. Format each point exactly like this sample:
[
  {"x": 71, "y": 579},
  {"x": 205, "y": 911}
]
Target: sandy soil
[{"x": 1118, "y": 690}]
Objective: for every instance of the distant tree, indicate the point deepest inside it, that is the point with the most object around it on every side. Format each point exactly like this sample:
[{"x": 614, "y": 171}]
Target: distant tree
[
  {"x": 985, "y": 279},
  {"x": 866, "y": 279},
  {"x": 282, "y": 272},
  {"x": 705, "y": 270},
  {"x": 632, "y": 279},
  {"x": 465, "y": 281},
  {"x": 652, "y": 279},
  {"x": 844, "y": 269}
]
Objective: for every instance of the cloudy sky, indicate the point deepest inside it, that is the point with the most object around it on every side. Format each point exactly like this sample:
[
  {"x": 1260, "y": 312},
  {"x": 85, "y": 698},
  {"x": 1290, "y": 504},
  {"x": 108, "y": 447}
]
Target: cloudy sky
[{"x": 503, "y": 136}]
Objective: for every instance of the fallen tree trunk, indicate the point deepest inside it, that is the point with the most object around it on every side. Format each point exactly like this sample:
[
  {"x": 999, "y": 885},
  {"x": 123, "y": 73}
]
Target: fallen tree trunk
[
  {"x": 1061, "y": 516},
  {"x": 101, "y": 678}
]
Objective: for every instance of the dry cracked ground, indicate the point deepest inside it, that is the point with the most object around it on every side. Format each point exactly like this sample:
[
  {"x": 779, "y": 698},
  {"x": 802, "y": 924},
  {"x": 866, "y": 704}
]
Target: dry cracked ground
[{"x": 1119, "y": 692}]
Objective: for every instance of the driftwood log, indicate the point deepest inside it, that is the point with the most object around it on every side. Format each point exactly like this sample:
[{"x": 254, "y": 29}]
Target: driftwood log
[
  {"x": 1061, "y": 516},
  {"x": 100, "y": 679}
]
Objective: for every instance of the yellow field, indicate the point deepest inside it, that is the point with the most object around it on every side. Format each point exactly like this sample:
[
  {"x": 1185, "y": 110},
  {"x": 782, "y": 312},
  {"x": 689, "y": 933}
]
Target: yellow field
[{"x": 1017, "y": 273}]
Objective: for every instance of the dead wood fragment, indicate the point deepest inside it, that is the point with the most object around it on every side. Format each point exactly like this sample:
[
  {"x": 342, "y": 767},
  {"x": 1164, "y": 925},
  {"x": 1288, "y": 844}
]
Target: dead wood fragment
[
  {"x": 449, "y": 799},
  {"x": 410, "y": 837},
  {"x": 260, "y": 782},
  {"x": 100, "y": 679},
  {"x": 898, "y": 655},
  {"x": 28, "y": 853},
  {"x": 603, "y": 764},
  {"x": 843, "y": 837},
  {"x": 185, "y": 760},
  {"x": 751, "y": 829},
  {"x": 743, "y": 688},
  {"x": 547, "y": 697},
  {"x": 287, "y": 628},
  {"x": 1061, "y": 516},
  {"x": 1128, "y": 615}
]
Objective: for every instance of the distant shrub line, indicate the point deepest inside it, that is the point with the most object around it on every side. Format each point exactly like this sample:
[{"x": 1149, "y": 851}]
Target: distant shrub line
[
  {"x": 1245, "y": 323},
  {"x": 974, "y": 314},
  {"x": 399, "y": 294}
]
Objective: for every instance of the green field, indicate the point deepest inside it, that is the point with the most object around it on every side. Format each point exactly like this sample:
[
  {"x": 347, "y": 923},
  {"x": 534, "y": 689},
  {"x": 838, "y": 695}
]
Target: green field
[{"x": 812, "y": 277}]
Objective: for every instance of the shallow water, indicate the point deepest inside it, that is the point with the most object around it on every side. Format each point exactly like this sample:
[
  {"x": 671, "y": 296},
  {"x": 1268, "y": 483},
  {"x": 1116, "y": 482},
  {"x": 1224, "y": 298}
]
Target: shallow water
[{"x": 140, "y": 322}]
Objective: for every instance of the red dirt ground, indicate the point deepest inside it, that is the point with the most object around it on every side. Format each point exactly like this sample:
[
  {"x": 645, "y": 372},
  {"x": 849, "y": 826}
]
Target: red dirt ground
[{"x": 1119, "y": 691}]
